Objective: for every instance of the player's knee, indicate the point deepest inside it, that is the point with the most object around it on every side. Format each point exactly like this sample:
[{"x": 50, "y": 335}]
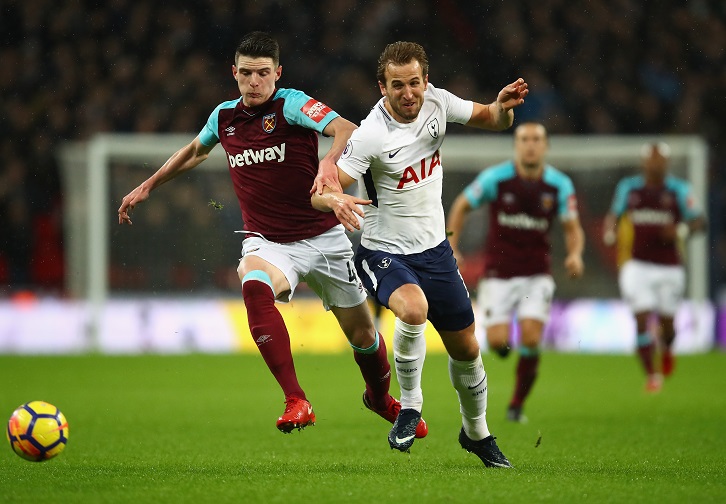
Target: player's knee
[
  {"x": 255, "y": 283},
  {"x": 361, "y": 336},
  {"x": 466, "y": 352},
  {"x": 414, "y": 312},
  {"x": 498, "y": 339}
]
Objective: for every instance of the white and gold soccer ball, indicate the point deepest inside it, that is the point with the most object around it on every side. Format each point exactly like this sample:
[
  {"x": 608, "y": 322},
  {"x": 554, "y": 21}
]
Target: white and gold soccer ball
[{"x": 37, "y": 431}]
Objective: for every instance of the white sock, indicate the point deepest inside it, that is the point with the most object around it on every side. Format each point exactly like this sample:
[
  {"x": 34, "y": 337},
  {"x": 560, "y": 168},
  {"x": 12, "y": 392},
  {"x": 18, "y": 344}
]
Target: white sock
[
  {"x": 470, "y": 381},
  {"x": 409, "y": 353}
]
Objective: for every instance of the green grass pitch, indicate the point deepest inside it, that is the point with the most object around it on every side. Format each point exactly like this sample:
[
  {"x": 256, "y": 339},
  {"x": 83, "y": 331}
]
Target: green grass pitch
[{"x": 200, "y": 428}]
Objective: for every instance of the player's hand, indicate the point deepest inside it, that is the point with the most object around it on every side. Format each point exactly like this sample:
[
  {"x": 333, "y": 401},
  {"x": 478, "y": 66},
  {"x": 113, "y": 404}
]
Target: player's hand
[
  {"x": 129, "y": 202},
  {"x": 669, "y": 233},
  {"x": 574, "y": 265},
  {"x": 327, "y": 176},
  {"x": 346, "y": 209},
  {"x": 609, "y": 237},
  {"x": 512, "y": 95}
]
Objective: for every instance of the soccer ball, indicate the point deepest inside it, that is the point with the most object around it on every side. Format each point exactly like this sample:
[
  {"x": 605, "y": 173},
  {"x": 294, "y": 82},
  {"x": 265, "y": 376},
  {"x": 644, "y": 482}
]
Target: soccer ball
[{"x": 37, "y": 431}]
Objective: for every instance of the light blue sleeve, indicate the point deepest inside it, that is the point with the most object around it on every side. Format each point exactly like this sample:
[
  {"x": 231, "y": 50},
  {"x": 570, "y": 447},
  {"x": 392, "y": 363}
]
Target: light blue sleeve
[
  {"x": 566, "y": 203},
  {"x": 620, "y": 199},
  {"x": 208, "y": 136},
  {"x": 684, "y": 196},
  {"x": 483, "y": 189},
  {"x": 302, "y": 110}
]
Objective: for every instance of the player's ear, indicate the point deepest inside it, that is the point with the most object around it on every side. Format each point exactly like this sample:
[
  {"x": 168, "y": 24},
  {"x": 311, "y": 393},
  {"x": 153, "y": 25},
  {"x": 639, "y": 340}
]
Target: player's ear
[
  {"x": 234, "y": 72},
  {"x": 278, "y": 72},
  {"x": 382, "y": 87},
  {"x": 426, "y": 81}
]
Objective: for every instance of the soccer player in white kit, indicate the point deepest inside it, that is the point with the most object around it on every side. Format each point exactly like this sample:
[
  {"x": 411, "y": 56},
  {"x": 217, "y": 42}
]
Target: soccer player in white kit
[{"x": 404, "y": 259}]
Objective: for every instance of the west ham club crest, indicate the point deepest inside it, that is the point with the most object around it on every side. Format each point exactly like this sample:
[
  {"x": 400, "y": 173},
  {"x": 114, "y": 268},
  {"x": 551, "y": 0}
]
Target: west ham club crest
[
  {"x": 547, "y": 201},
  {"x": 269, "y": 122}
]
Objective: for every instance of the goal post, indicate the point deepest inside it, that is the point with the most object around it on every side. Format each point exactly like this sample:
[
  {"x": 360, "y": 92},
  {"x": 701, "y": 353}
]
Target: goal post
[{"x": 104, "y": 261}]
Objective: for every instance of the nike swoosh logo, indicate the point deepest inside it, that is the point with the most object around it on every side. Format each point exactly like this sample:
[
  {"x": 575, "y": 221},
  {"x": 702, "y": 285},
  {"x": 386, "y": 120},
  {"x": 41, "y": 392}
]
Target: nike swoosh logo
[
  {"x": 477, "y": 385},
  {"x": 391, "y": 154},
  {"x": 404, "y": 361},
  {"x": 404, "y": 440}
]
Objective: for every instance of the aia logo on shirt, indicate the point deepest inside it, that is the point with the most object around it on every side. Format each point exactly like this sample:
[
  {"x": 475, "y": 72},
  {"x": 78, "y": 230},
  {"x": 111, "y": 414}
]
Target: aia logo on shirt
[
  {"x": 315, "y": 110},
  {"x": 420, "y": 173},
  {"x": 269, "y": 122}
]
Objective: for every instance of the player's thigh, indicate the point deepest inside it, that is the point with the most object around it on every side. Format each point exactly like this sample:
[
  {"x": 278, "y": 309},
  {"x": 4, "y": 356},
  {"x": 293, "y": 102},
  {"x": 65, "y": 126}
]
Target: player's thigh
[
  {"x": 330, "y": 271},
  {"x": 448, "y": 299},
  {"x": 497, "y": 298},
  {"x": 636, "y": 286},
  {"x": 535, "y": 301},
  {"x": 270, "y": 258},
  {"x": 383, "y": 274},
  {"x": 671, "y": 285}
]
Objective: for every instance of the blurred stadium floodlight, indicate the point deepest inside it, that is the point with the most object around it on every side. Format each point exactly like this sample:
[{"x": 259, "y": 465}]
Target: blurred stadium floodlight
[{"x": 93, "y": 193}]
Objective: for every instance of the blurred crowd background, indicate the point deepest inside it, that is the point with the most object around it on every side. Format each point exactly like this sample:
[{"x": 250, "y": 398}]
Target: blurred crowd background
[{"x": 78, "y": 67}]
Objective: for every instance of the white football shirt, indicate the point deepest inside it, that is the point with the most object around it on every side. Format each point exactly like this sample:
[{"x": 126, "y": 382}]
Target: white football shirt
[{"x": 399, "y": 167}]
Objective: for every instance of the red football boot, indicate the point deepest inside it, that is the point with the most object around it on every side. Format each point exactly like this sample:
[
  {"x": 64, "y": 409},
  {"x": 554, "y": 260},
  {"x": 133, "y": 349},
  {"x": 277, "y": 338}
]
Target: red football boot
[
  {"x": 668, "y": 363},
  {"x": 298, "y": 415},
  {"x": 391, "y": 413}
]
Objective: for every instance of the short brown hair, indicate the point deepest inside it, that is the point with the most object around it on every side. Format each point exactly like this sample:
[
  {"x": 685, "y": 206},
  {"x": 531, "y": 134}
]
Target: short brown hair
[
  {"x": 258, "y": 44},
  {"x": 401, "y": 53}
]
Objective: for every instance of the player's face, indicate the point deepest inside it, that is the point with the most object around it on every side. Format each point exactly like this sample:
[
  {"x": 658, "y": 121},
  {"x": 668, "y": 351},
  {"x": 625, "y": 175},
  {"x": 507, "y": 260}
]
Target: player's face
[
  {"x": 655, "y": 165},
  {"x": 530, "y": 145},
  {"x": 404, "y": 90},
  {"x": 256, "y": 79}
]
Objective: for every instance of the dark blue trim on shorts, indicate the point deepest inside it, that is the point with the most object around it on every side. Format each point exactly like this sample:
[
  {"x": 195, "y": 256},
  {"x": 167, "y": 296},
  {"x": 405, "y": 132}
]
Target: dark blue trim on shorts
[{"x": 434, "y": 270}]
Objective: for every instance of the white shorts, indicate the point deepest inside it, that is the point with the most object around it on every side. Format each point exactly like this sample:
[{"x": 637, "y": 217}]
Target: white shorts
[
  {"x": 650, "y": 287},
  {"x": 531, "y": 296},
  {"x": 324, "y": 262}
]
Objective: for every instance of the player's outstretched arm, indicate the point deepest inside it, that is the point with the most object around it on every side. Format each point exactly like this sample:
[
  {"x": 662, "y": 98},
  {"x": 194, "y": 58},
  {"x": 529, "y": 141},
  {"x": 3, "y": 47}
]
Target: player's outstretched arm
[
  {"x": 182, "y": 160},
  {"x": 344, "y": 205},
  {"x": 340, "y": 129},
  {"x": 499, "y": 115},
  {"x": 575, "y": 244},
  {"x": 455, "y": 223}
]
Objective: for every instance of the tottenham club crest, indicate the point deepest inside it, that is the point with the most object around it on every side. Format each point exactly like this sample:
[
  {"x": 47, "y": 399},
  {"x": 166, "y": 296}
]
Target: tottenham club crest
[
  {"x": 269, "y": 122},
  {"x": 433, "y": 127}
]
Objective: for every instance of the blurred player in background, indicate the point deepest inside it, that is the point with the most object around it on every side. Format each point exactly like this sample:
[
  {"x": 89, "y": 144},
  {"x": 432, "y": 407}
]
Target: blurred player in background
[
  {"x": 662, "y": 211},
  {"x": 524, "y": 195},
  {"x": 404, "y": 259},
  {"x": 270, "y": 138}
]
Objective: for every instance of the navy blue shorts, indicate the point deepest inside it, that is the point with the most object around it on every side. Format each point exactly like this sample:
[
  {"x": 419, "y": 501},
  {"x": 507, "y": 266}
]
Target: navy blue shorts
[{"x": 433, "y": 270}]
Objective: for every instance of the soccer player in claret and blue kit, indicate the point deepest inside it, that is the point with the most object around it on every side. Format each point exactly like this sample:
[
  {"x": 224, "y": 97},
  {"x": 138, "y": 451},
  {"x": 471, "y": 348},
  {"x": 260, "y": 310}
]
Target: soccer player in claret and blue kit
[
  {"x": 524, "y": 195},
  {"x": 270, "y": 137},
  {"x": 662, "y": 210},
  {"x": 404, "y": 260}
]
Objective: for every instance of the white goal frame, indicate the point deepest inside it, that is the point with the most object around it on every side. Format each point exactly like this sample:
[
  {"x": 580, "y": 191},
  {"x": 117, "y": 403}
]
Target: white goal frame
[{"x": 85, "y": 168}]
